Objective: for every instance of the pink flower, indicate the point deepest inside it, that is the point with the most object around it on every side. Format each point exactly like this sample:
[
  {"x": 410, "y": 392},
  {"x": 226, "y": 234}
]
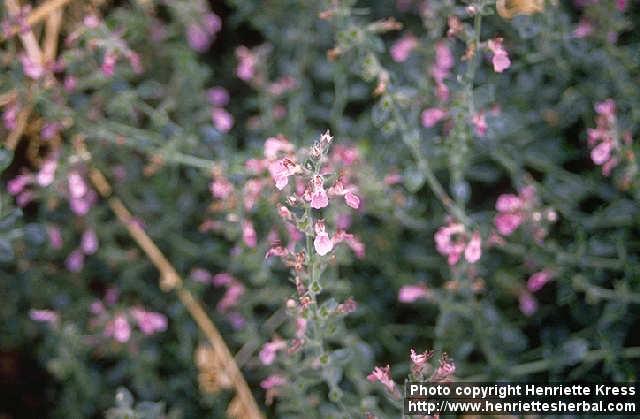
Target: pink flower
[
  {"x": 221, "y": 188},
  {"x": 223, "y": 279},
  {"x": 235, "y": 290},
  {"x": 47, "y": 172},
  {"x": 75, "y": 261},
  {"x": 352, "y": 200},
  {"x": 281, "y": 170},
  {"x": 419, "y": 360},
  {"x": 273, "y": 381},
  {"x": 31, "y": 69},
  {"x": 538, "y": 280},
  {"x": 97, "y": 307},
  {"x": 383, "y": 375},
  {"x": 82, "y": 205},
  {"x": 276, "y": 250},
  {"x": 269, "y": 350},
  {"x": 322, "y": 243},
  {"x": 528, "y": 304},
  {"x": 432, "y": 116},
  {"x": 445, "y": 370},
  {"x": 222, "y": 120},
  {"x": 319, "y": 198},
  {"x": 584, "y": 28},
  {"x": 343, "y": 154},
  {"x": 135, "y": 62},
  {"x": 343, "y": 221},
  {"x": 24, "y": 198},
  {"x": 77, "y": 185},
  {"x": 46, "y": 316},
  {"x": 275, "y": 145},
  {"x": 19, "y": 183},
  {"x": 201, "y": 275},
  {"x": 444, "y": 57},
  {"x": 508, "y": 203},
  {"x": 50, "y": 130},
  {"x": 473, "y": 251},
  {"x": 246, "y": 63},
  {"x": 412, "y": 293},
  {"x": 91, "y": 21},
  {"x": 10, "y": 117},
  {"x": 479, "y": 122},
  {"x": 212, "y": 23},
  {"x": 445, "y": 243},
  {"x": 606, "y": 107},
  {"x": 149, "y": 322},
  {"x": 349, "y": 306},
  {"x": 199, "y": 38},
  {"x": 70, "y": 83},
  {"x": 249, "y": 234},
  {"x": 507, "y": 223},
  {"x": 500, "y": 58},
  {"x": 301, "y": 327},
  {"x": 55, "y": 237},
  {"x": 89, "y": 243},
  {"x": 401, "y": 49},
  {"x": 119, "y": 328},
  {"x": 109, "y": 64},
  {"x": 621, "y": 5},
  {"x": 601, "y": 153},
  {"x": 111, "y": 295},
  {"x": 218, "y": 96}
]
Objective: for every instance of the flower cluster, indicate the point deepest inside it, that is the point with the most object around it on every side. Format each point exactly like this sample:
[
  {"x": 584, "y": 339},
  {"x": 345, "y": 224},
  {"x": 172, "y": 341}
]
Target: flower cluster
[
  {"x": 500, "y": 58},
  {"x": 219, "y": 98},
  {"x": 202, "y": 32},
  {"x": 453, "y": 241},
  {"x": 514, "y": 210},
  {"x": 116, "y": 324},
  {"x": 311, "y": 192},
  {"x": 527, "y": 302},
  {"x": 421, "y": 370}
]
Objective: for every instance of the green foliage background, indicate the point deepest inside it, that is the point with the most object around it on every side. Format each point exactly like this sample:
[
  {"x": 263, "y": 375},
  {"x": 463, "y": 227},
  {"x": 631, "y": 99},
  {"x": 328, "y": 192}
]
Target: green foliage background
[{"x": 586, "y": 324}]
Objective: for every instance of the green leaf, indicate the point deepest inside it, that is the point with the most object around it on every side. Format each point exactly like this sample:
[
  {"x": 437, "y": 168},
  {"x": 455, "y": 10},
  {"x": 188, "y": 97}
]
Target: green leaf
[
  {"x": 6, "y": 250},
  {"x": 6, "y": 157}
]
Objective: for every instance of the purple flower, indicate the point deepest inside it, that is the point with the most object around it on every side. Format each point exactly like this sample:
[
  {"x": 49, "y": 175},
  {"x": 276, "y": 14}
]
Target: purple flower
[
  {"x": 55, "y": 238},
  {"x": 222, "y": 120},
  {"x": 268, "y": 352},
  {"x": 75, "y": 261},
  {"x": 109, "y": 64},
  {"x": 89, "y": 242},
  {"x": 538, "y": 280},
  {"x": 201, "y": 275},
  {"x": 198, "y": 38},
  {"x": 50, "y": 130},
  {"x": 412, "y": 293},
  {"x": 47, "y": 316},
  {"x": 149, "y": 322},
  {"x": 212, "y": 23},
  {"x": 119, "y": 329},
  {"x": 528, "y": 304},
  {"x": 218, "y": 96}
]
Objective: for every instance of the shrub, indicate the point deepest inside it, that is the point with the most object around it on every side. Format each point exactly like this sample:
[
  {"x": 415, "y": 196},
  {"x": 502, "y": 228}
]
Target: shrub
[{"x": 356, "y": 194}]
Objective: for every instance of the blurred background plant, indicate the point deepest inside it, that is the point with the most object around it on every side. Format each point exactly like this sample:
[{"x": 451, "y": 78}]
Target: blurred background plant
[{"x": 490, "y": 197}]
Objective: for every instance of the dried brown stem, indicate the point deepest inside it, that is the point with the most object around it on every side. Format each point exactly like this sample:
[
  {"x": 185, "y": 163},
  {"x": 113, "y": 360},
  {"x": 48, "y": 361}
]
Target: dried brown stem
[{"x": 36, "y": 16}]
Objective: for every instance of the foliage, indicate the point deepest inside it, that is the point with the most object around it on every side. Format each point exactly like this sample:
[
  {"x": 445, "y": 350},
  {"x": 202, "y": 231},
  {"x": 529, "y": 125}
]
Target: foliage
[{"x": 476, "y": 193}]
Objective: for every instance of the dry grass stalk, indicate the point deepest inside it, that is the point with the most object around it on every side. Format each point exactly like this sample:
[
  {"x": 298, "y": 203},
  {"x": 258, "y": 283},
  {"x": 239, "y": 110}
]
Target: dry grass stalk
[{"x": 36, "y": 16}]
